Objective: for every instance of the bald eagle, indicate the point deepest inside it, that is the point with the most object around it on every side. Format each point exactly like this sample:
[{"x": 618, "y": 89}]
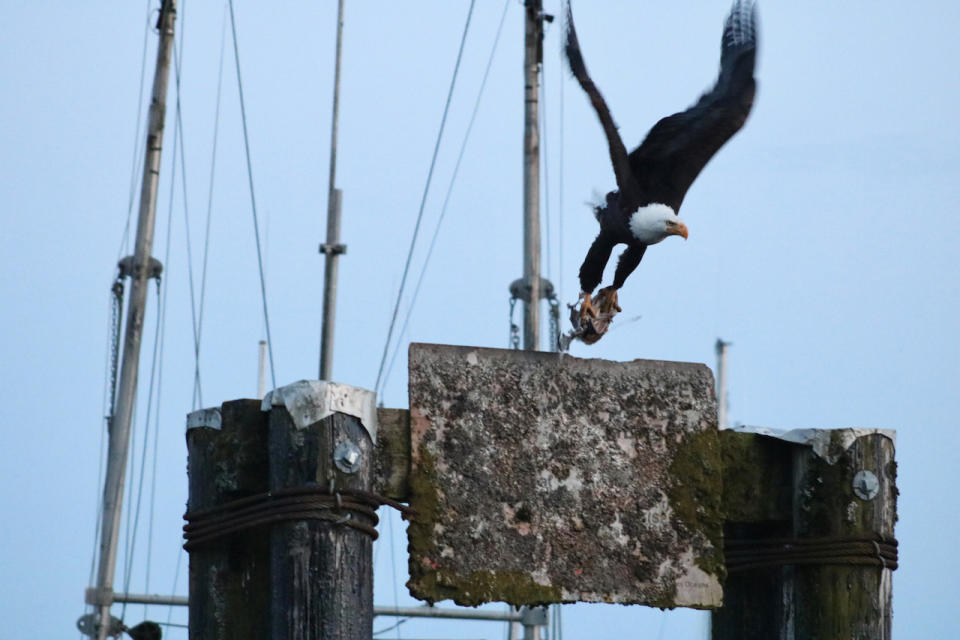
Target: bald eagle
[{"x": 653, "y": 179}]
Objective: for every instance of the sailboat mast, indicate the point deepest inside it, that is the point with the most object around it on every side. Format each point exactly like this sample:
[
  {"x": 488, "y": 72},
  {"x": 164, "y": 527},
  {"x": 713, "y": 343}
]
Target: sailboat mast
[
  {"x": 332, "y": 248},
  {"x": 143, "y": 266},
  {"x": 532, "y": 59}
]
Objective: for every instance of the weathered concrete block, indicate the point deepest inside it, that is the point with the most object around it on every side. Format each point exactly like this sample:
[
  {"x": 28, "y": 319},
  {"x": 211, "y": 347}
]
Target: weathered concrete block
[{"x": 542, "y": 479}]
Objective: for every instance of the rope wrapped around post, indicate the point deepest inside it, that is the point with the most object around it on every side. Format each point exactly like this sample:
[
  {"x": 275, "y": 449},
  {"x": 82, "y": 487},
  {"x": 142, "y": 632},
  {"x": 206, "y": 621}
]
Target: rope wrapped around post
[
  {"x": 744, "y": 555},
  {"x": 350, "y": 507}
]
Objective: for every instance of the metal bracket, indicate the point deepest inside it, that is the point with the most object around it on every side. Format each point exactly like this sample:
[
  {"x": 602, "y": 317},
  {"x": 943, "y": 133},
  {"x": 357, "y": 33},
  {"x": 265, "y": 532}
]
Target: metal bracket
[
  {"x": 128, "y": 268},
  {"x": 89, "y": 624},
  {"x": 333, "y": 249},
  {"x": 520, "y": 290},
  {"x": 98, "y": 597},
  {"x": 309, "y": 401}
]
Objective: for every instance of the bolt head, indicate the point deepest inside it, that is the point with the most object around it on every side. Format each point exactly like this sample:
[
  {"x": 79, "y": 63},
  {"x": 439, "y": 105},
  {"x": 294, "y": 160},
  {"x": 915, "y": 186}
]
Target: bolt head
[
  {"x": 347, "y": 457},
  {"x": 866, "y": 485}
]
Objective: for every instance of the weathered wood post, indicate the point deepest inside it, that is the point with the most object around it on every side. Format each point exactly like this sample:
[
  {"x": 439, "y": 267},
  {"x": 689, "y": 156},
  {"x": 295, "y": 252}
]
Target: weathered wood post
[
  {"x": 281, "y": 514},
  {"x": 229, "y": 577},
  {"x": 321, "y": 437},
  {"x": 845, "y": 494},
  {"x": 809, "y": 535}
]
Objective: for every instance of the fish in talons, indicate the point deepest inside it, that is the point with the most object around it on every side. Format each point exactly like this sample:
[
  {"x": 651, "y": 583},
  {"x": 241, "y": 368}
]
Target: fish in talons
[{"x": 591, "y": 317}]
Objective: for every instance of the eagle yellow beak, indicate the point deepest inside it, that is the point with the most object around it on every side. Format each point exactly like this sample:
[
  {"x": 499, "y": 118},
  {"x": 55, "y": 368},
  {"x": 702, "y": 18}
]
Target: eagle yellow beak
[{"x": 678, "y": 229}]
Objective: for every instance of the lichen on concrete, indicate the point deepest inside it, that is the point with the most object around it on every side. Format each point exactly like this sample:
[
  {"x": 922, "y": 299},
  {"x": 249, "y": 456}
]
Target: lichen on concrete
[{"x": 543, "y": 479}]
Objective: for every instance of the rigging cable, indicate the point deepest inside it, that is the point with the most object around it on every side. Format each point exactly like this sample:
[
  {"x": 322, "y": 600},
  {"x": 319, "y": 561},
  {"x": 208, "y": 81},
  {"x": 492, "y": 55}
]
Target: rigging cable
[
  {"x": 446, "y": 199},
  {"x": 197, "y": 398},
  {"x": 206, "y": 238},
  {"x": 206, "y": 253},
  {"x": 156, "y": 421},
  {"x": 253, "y": 201},
  {"x": 423, "y": 199}
]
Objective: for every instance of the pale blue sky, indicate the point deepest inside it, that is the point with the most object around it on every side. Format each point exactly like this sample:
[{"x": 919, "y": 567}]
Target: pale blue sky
[{"x": 823, "y": 242}]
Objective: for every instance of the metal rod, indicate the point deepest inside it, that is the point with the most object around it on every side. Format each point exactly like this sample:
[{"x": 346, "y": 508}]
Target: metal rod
[
  {"x": 261, "y": 369},
  {"x": 722, "y": 348},
  {"x": 332, "y": 249},
  {"x": 142, "y": 598},
  {"x": 434, "y": 612},
  {"x": 119, "y": 441},
  {"x": 395, "y": 612},
  {"x": 532, "y": 59}
]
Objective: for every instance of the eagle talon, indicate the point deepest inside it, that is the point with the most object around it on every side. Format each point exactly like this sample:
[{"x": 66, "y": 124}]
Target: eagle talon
[
  {"x": 608, "y": 300},
  {"x": 587, "y": 310}
]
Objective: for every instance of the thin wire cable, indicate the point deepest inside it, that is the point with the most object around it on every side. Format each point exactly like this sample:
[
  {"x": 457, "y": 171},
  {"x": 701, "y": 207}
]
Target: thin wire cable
[
  {"x": 176, "y": 578},
  {"x": 156, "y": 448},
  {"x": 197, "y": 399},
  {"x": 663, "y": 625},
  {"x": 206, "y": 238},
  {"x": 138, "y": 140},
  {"x": 446, "y": 199},
  {"x": 391, "y": 627},
  {"x": 423, "y": 199},
  {"x": 253, "y": 201}
]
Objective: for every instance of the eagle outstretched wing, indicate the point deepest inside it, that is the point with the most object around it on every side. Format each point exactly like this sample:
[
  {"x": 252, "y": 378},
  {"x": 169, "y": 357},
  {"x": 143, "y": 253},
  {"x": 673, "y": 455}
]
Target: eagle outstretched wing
[
  {"x": 678, "y": 147},
  {"x": 618, "y": 152}
]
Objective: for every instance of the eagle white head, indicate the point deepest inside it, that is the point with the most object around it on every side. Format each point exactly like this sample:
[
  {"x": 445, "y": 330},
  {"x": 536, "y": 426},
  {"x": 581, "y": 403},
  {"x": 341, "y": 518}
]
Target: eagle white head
[{"x": 652, "y": 223}]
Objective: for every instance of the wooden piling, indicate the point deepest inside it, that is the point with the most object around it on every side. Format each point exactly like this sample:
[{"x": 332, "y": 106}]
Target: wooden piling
[
  {"x": 845, "y": 600},
  {"x": 293, "y": 558},
  {"x": 322, "y": 570},
  {"x": 229, "y": 580},
  {"x": 825, "y": 505}
]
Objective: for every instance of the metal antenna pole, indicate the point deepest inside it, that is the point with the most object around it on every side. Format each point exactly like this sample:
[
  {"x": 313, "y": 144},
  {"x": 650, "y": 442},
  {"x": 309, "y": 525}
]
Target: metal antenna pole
[
  {"x": 261, "y": 369},
  {"x": 722, "y": 348},
  {"x": 143, "y": 267},
  {"x": 332, "y": 247},
  {"x": 532, "y": 59}
]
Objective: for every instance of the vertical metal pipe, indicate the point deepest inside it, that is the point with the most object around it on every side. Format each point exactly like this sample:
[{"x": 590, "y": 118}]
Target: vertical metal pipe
[
  {"x": 332, "y": 248},
  {"x": 532, "y": 619},
  {"x": 722, "y": 348},
  {"x": 262, "y": 369},
  {"x": 126, "y": 391},
  {"x": 532, "y": 58}
]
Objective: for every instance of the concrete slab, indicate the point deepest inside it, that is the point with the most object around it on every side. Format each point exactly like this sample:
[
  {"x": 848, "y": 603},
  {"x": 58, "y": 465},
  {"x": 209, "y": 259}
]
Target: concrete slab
[{"x": 543, "y": 479}]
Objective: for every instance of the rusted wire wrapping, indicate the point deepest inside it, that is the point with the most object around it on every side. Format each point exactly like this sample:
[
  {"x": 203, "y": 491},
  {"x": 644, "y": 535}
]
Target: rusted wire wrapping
[
  {"x": 350, "y": 507},
  {"x": 744, "y": 555}
]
